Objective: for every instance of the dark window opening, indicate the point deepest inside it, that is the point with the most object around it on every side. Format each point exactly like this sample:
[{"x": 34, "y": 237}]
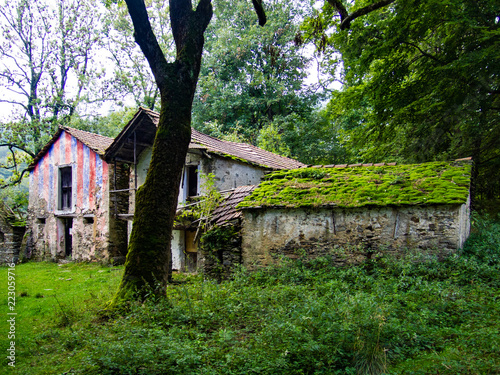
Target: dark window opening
[
  {"x": 88, "y": 220},
  {"x": 68, "y": 236},
  {"x": 192, "y": 177},
  {"x": 2, "y": 237},
  {"x": 41, "y": 220},
  {"x": 66, "y": 176}
]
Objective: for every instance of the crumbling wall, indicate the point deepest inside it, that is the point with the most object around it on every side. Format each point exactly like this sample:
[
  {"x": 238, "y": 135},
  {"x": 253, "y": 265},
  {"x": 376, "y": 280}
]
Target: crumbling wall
[
  {"x": 220, "y": 252},
  {"x": 90, "y": 205},
  {"x": 270, "y": 233},
  {"x": 10, "y": 242},
  {"x": 230, "y": 173}
]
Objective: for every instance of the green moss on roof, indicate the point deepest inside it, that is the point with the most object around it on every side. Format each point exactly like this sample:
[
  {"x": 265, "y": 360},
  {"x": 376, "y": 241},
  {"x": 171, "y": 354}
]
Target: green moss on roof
[{"x": 411, "y": 184}]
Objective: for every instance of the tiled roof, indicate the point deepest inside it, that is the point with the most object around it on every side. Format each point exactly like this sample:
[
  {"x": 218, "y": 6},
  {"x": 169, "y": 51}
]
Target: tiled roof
[
  {"x": 243, "y": 151},
  {"x": 96, "y": 142},
  {"x": 226, "y": 211},
  {"x": 351, "y": 165}
]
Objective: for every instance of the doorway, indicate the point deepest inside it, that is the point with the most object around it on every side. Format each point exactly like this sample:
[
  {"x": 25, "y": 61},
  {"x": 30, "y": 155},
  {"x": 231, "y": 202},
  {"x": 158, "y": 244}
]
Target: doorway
[{"x": 68, "y": 236}]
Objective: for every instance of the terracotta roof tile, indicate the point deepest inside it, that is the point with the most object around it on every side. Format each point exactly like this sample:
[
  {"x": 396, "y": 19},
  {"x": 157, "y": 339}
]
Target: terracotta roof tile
[
  {"x": 96, "y": 142},
  {"x": 243, "y": 151},
  {"x": 226, "y": 211}
]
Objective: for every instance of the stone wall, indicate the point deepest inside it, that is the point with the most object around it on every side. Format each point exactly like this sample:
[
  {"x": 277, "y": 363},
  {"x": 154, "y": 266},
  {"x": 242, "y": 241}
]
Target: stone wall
[
  {"x": 10, "y": 242},
  {"x": 220, "y": 252},
  {"x": 268, "y": 234}
]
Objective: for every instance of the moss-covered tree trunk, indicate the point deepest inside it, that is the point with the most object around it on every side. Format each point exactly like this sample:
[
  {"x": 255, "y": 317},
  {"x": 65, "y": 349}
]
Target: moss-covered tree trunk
[{"x": 148, "y": 264}]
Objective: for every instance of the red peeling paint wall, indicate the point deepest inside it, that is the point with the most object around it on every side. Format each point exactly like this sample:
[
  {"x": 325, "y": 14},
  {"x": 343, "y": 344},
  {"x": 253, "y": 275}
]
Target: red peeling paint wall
[
  {"x": 88, "y": 167},
  {"x": 89, "y": 211}
]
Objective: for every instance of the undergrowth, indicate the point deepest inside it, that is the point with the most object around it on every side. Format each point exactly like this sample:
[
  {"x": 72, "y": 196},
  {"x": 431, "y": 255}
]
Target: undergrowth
[{"x": 412, "y": 316}]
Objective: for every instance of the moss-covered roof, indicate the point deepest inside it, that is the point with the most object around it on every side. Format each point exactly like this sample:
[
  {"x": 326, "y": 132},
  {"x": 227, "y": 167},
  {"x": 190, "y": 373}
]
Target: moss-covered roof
[{"x": 388, "y": 185}]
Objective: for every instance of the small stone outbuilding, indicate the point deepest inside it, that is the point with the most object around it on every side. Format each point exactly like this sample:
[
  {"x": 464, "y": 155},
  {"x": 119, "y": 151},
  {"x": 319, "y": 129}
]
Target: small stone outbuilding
[
  {"x": 366, "y": 209},
  {"x": 11, "y": 235}
]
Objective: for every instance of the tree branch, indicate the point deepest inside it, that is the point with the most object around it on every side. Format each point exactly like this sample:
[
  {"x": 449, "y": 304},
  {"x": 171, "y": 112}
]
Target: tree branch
[
  {"x": 16, "y": 181},
  {"x": 145, "y": 38},
  {"x": 13, "y": 102},
  {"x": 346, "y": 18},
  {"x": 13, "y": 145},
  {"x": 432, "y": 57},
  {"x": 259, "y": 9},
  {"x": 340, "y": 9}
]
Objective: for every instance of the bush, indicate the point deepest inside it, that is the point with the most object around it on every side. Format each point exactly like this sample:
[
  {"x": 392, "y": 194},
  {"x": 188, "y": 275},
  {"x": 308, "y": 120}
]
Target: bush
[{"x": 484, "y": 241}]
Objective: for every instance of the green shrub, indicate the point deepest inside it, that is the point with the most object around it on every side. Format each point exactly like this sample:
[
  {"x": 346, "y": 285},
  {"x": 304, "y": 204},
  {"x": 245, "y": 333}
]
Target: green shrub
[{"x": 484, "y": 241}]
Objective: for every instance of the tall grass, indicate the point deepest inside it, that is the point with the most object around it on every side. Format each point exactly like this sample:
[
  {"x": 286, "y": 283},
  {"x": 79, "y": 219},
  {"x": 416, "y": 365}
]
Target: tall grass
[{"x": 413, "y": 316}]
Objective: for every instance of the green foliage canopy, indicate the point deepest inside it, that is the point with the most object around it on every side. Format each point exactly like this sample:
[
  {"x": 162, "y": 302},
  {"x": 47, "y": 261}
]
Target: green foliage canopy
[
  {"x": 421, "y": 82},
  {"x": 253, "y": 83}
]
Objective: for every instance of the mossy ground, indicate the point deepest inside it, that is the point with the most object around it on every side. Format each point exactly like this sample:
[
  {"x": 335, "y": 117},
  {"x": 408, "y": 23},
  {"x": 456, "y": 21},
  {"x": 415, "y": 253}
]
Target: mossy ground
[{"x": 413, "y": 184}]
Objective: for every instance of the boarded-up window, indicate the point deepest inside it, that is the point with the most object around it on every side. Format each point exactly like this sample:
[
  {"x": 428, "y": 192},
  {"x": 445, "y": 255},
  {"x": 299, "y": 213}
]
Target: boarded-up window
[{"x": 66, "y": 186}]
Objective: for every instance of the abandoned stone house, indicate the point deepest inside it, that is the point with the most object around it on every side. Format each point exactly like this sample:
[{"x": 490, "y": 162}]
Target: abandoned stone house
[
  {"x": 369, "y": 208},
  {"x": 82, "y": 188},
  {"x": 69, "y": 210},
  {"x": 230, "y": 164},
  {"x": 82, "y": 199}
]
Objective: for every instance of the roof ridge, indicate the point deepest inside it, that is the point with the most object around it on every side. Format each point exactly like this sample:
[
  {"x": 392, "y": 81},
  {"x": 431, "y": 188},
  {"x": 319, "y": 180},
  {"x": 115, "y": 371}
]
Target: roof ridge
[
  {"x": 84, "y": 131},
  {"x": 150, "y": 111},
  {"x": 381, "y": 164}
]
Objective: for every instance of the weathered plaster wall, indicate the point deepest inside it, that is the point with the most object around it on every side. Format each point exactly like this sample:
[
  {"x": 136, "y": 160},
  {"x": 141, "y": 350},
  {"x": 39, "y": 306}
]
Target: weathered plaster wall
[
  {"x": 230, "y": 173},
  {"x": 178, "y": 246},
  {"x": 269, "y": 233},
  {"x": 90, "y": 202}
]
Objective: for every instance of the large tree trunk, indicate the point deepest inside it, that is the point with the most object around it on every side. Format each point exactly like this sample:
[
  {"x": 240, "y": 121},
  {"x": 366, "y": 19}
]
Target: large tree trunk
[{"x": 148, "y": 264}]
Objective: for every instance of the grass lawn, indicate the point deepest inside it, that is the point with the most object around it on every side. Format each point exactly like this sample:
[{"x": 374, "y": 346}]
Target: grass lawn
[{"x": 52, "y": 301}]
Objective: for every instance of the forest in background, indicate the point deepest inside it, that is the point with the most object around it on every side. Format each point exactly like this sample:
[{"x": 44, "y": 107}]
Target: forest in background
[{"x": 412, "y": 82}]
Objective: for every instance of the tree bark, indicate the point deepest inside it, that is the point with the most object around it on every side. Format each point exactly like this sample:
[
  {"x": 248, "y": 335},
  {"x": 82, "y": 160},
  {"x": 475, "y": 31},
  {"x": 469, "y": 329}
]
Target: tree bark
[{"x": 148, "y": 264}]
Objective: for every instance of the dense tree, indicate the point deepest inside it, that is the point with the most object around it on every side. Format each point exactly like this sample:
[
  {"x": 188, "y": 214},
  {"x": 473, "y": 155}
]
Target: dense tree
[
  {"x": 254, "y": 87},
  {"x": 421, "y": 82},
  {"x": 132, "y": 75},
  {"x": 149, "y": 258},
  {"x": 252, "y": 75},
  {"x": 252, "y": 80},
  {"x": 46, "y": 68}
]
